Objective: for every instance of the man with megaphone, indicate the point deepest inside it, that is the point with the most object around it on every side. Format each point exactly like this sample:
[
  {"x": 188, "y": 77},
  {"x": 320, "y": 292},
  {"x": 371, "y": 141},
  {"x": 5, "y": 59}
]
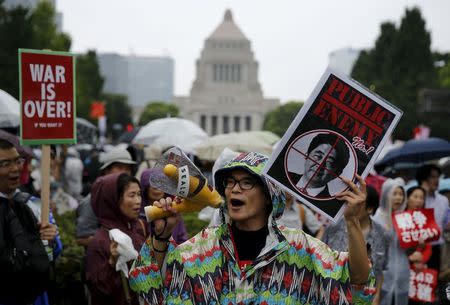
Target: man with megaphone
[{"x": 248, "y": 259}]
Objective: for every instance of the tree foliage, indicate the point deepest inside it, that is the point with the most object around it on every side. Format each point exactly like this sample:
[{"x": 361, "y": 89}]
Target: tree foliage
[
  {"x": 46, "y": 35},
  {"x": 157, "y": 110},
  {"x": 279, "y": 119},
  {"x": 89, "y": 83},
  {"x": 18, "y": 22},
  {"x": 20, "y": 28},
  {"x": 118, "y": 111},
  {"x": 400, "y": 64},
  {"x": 444, "y": 76}
]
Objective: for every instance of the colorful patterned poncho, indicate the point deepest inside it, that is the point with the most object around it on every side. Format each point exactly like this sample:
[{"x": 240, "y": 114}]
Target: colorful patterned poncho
[{"x": 292, "y": 268}]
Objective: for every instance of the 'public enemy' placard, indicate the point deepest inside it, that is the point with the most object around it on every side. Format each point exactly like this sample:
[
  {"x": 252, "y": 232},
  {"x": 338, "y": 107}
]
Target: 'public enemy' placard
[{"x": 47, "y": 97}]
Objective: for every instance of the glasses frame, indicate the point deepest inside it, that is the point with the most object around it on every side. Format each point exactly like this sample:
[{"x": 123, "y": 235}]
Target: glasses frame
[
  {"x": 8, "y": 163},
  {"x": 254, "y": 182}
]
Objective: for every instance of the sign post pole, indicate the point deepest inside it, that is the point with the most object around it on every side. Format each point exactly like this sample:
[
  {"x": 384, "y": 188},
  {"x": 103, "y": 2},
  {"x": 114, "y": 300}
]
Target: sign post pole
[{"x": 45, "y": 186}]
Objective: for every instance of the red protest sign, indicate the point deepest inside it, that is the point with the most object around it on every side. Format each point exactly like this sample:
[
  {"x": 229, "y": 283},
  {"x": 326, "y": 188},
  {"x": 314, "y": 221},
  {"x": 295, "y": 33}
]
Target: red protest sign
[
  {"x": 422, "y": 285},
  {"x": 47, "y": 96},
  {"x": 414, "y": 225},
  {"x": 97, "y": 110}
]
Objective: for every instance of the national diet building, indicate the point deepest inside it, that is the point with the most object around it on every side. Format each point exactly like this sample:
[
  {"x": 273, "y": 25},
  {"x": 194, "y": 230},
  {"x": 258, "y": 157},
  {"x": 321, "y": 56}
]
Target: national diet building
[{"x": 226, "y": 95}]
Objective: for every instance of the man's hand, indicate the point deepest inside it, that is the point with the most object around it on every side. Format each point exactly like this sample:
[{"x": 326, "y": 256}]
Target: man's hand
[
  {"x": 354, "y": 197},
  {"x": 48, "y": 232}
]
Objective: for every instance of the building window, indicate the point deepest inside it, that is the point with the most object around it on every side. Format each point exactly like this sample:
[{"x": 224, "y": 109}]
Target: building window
[
  {"x": 226, "y": 124},
  {"x": 238, "y": 73},
  {"x": 220, "y": 73},
  {"x": 214, "y": 125},
  {"x": 228, "y": 73},
  {"x": 203, "y": 121},
  {"x": 237, "y": 123},
  {"x": 248, "y": 122}
]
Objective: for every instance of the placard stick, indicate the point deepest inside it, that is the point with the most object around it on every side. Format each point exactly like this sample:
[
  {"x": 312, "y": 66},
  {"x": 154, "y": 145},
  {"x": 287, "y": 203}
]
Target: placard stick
[{"x": 45, "y": 184}]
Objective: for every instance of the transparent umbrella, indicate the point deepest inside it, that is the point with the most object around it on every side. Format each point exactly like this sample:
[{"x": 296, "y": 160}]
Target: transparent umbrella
[
  {"x": 259, "y": 141},
  {"x": 171, "y": 132},
  {"x": 9, "y": 110}
]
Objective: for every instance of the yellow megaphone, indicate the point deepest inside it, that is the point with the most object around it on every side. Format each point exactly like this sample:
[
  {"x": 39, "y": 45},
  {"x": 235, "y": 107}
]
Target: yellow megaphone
[{"x": 204, "y": 197}]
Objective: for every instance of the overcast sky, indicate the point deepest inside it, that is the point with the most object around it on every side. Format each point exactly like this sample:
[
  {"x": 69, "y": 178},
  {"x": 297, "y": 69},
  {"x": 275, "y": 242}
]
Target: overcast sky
[{"x": 291, "y": 39}]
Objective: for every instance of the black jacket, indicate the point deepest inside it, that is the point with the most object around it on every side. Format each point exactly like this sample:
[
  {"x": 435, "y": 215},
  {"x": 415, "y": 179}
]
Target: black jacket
[{"x": 24, "y": 263}]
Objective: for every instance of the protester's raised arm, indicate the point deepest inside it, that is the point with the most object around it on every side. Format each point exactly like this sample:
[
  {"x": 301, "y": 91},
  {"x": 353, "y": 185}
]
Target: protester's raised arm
[{"x": 357, "y": 251}]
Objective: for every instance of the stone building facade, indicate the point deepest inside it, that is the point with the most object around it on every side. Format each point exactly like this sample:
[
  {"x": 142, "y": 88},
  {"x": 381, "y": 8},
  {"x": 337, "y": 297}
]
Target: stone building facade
[{"x": 226, "y": 95}]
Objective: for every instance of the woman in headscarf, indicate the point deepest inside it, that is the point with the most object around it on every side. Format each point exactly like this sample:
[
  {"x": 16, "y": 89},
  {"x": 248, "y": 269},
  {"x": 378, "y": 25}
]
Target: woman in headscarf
[
  {"x": 116, "y": 201},
  {"x": 396, "y": 276},
  {"x": 151, "y": 194}
]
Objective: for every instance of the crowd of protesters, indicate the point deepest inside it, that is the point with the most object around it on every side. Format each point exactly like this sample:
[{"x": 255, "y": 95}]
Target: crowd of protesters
[{"x": 262, "y": 246}]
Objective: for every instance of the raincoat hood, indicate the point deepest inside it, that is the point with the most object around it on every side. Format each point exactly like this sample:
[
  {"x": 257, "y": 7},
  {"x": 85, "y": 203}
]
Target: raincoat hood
[
  {"x": 253, "y": 163},
  {"x": 383, "y": 214},
  {"x": 105, "y": 203},
  {"x": 145, "y": 183}
]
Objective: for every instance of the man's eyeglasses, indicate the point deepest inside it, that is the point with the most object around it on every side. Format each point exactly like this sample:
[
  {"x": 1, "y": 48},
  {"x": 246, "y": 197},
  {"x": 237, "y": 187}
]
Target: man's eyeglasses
[
  {"x": 8, "y": 163},
  {"x": 244, "y": 184}
]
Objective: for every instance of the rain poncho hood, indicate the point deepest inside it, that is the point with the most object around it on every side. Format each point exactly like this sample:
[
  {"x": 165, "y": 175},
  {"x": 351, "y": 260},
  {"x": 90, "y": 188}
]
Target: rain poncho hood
[
  {"x": 253, "y": 163},
  {"x": 383, "y": 213}
]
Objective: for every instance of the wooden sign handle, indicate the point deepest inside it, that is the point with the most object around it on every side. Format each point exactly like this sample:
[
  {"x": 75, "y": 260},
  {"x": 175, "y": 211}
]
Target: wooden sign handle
[{"x": 45, "y": 184}]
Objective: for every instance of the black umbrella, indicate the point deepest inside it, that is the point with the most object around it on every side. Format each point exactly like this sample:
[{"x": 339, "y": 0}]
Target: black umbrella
[
  {"x": 24, "y": 151},
  {"x": 128, "y": 136},
  {"x": 415, "y": 152},
  {"x": 86, "y": 131}
]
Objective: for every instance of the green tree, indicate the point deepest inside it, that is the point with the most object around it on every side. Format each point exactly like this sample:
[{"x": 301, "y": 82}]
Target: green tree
[
  {"x": 20, "y": 28},
  {"x": 157, "y": 110},
  {"x": 89, "y": 83},
  {"x": 46, "y": 35},
  {"x": 118, "y": 112},
  {"x": 279, "y": 119},
  {"x": 400, "y": 64},
  {"x": 444, "y": 76},
  {"x": 16, "y": 21}
]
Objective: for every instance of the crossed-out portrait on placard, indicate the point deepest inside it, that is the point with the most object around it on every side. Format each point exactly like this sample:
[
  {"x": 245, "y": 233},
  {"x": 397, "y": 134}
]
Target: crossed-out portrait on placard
[{"x": 315, "y": 162}]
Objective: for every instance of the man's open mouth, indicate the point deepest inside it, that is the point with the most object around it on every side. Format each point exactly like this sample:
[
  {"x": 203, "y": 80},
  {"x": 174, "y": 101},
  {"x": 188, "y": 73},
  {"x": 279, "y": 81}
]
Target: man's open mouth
[
  {"x": 236, "y": 202},
  {"x": 14, "y": 179}
]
